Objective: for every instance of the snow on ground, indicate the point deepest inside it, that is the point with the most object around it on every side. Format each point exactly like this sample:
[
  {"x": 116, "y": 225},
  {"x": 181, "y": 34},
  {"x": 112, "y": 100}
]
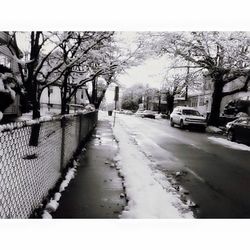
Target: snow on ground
[
  {"x": 53, "y": 204},
  {"x": 229, "y": 144},
  {"x": 212, "y": 129},
  {"x": 149, "y": 193}
]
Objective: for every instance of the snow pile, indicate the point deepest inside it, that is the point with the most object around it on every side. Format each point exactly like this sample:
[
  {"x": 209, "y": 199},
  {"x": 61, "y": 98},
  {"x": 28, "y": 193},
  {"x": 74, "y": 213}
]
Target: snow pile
[
  {"x": 26, "y": 120},
  {"x": 158, "y": 116},
  {"x": 53, "y": 204},
  {"x": 212, "y": 129},
  {"x": 90, "y": 107},
  {"x": 229, "y": 144},
  {"x": 25, "y": 117},
  {"x": 69, "y": 176},
  {"x": 242, "y": 114},
  {"x": 46, "y": 215},
  {"x": 148, "y": 192}
]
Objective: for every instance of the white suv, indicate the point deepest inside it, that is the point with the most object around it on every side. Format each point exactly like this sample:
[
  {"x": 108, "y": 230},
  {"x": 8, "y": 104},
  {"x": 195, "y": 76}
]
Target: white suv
[{"x": 185, "y": 116}]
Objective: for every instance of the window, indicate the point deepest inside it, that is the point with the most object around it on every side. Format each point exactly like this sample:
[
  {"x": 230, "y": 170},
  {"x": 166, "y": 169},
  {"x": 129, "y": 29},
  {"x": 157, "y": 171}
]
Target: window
[
  {"x": 190, "y": 112},
  {"x": 4, "y": 61},
  {"x": 194, "y": 102},
  {"x": 201, "y": 101}
]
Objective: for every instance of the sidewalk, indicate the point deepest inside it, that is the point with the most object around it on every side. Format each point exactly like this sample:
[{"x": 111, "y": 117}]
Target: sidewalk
[{"x": 95, "y": 191}]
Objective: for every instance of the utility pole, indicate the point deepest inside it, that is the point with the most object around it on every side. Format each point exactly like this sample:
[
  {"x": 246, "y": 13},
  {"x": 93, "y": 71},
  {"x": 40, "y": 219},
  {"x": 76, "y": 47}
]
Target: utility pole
[
  {"x": 187, "y": 78},
  {"x": 159, "y": 103},
  {"x": 116, "y": 98},
  {"x": 49, "y": 98}
]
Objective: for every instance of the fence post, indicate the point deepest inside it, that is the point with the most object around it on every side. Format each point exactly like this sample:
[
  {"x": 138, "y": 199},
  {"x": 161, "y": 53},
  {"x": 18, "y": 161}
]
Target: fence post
[{"x": 63, "y": 122}]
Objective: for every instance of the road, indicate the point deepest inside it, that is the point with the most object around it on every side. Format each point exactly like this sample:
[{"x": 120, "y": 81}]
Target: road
[{"x": 216, "y": 177}]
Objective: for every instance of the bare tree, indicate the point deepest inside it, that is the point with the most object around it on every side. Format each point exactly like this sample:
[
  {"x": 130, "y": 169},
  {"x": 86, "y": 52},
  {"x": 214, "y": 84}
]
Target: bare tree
[
  {"x": 132, "y": 97},
  {"x": 223, "y": 56}
]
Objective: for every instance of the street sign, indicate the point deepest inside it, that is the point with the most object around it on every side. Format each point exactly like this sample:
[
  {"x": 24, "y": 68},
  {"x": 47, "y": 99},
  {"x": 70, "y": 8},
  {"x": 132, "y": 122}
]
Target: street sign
[
  {"x": 116, "y": 93},
  {"x": 116, "y": 100}
]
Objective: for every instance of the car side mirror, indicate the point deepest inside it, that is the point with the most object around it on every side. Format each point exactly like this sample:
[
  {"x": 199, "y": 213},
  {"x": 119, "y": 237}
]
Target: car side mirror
[{"x": 178, "y": 113}]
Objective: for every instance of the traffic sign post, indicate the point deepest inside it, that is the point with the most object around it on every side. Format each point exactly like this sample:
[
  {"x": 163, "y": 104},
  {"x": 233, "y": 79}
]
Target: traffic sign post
[{"x": 116, "y": 98}]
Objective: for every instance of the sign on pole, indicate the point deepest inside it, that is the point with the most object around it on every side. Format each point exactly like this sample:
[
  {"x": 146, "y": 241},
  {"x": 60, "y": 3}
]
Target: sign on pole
[
  {"x": 116, "y": 93},
  {"x": 116, "y": 98}
]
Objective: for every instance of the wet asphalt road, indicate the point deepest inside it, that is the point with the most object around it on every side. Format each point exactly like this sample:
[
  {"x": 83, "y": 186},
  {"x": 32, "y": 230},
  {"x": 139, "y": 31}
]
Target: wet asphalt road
[{"x": 216, "y": 177}]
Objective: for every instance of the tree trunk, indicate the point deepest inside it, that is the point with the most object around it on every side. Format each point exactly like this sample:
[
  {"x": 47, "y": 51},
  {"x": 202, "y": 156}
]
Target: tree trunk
[
  {"x": 159, "y": 105},
  {"x": 170, "y": 103},
  {"x": 64, "y": 108},
  {"x": 100, "y": 99},
  {"x": 94, "y": 92},
  {"x": 216, "y": 103},
  {"x": 35, "y": 131}
]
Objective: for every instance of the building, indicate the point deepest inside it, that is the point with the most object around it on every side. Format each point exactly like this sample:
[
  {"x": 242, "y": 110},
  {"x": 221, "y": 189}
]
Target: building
[
  {"x": 8, "y": 49},
  {"x": 50, "y": 100},
  {"x": 202, "y": 99}
]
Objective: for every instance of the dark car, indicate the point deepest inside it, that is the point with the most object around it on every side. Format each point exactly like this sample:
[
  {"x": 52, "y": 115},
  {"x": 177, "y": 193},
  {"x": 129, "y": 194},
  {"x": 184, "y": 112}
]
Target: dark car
[
  {"x": 148, "y": 114},
  {"x": 236, "y": 106},
  {"x": 240, "y": 131}
]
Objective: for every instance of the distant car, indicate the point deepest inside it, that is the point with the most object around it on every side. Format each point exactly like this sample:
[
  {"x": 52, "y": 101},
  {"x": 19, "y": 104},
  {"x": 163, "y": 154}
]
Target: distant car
[
  {"x": 145, "y": 114},
  {"x": 187, "y": 116},
  {"x": 126, "y": 112},
  {"x": 148, "y": 114},
  {"x": 239, "y": 130},
  {"x": 139, "y": 113}
]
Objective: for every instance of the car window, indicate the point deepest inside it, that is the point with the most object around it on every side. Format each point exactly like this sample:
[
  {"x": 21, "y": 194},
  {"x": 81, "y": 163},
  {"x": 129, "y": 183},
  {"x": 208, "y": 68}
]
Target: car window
[{"x": 191, "y": 112}]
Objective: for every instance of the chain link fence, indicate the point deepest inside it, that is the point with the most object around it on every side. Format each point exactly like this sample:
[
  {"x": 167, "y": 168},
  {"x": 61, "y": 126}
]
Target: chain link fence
[{"x": 27, "y": 173}]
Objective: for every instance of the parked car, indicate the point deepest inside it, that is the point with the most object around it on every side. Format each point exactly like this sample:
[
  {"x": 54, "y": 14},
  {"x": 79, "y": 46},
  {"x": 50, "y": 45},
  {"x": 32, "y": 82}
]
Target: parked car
[
  {"x": 229, "y": 124},
  {"x": 148, "y": 114},
  {"x": 187, "y": 116},
  {"x": 127, "y": 112},
  {"x": 139, "y": 113},
  {"x": 145, "y": 114},
  {"x": 239, "y": 130},
  {"x": 236, "y": 106}
]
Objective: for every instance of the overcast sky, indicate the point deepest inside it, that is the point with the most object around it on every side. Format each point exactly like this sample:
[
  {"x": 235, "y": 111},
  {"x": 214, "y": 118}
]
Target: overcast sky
[{"x": 150, "y": 72}]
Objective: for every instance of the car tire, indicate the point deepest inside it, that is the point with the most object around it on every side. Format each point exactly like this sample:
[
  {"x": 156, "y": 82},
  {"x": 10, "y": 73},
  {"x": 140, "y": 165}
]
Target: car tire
[
  {"x": 203, "y": 130},
  {"x": 171, "y": 123},
  {"x": 231, "y": 135},
  {"x": 182, "y": 124}
]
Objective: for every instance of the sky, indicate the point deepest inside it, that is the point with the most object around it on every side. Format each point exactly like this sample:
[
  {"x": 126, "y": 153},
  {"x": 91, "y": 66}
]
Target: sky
[{"x": 150, "y": 72}]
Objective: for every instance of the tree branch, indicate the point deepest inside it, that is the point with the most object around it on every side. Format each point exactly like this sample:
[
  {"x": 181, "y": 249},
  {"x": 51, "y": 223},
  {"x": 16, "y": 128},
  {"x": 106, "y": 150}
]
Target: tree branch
[{"x": 243, "y": 88}]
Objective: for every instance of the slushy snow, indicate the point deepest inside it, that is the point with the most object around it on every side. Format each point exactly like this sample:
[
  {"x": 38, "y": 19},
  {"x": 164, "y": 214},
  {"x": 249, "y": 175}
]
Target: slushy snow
[
  {"x": 212, "y": 129},
  {"x": 149, "y": 193},
  {"x": 53, "y": 204}
]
